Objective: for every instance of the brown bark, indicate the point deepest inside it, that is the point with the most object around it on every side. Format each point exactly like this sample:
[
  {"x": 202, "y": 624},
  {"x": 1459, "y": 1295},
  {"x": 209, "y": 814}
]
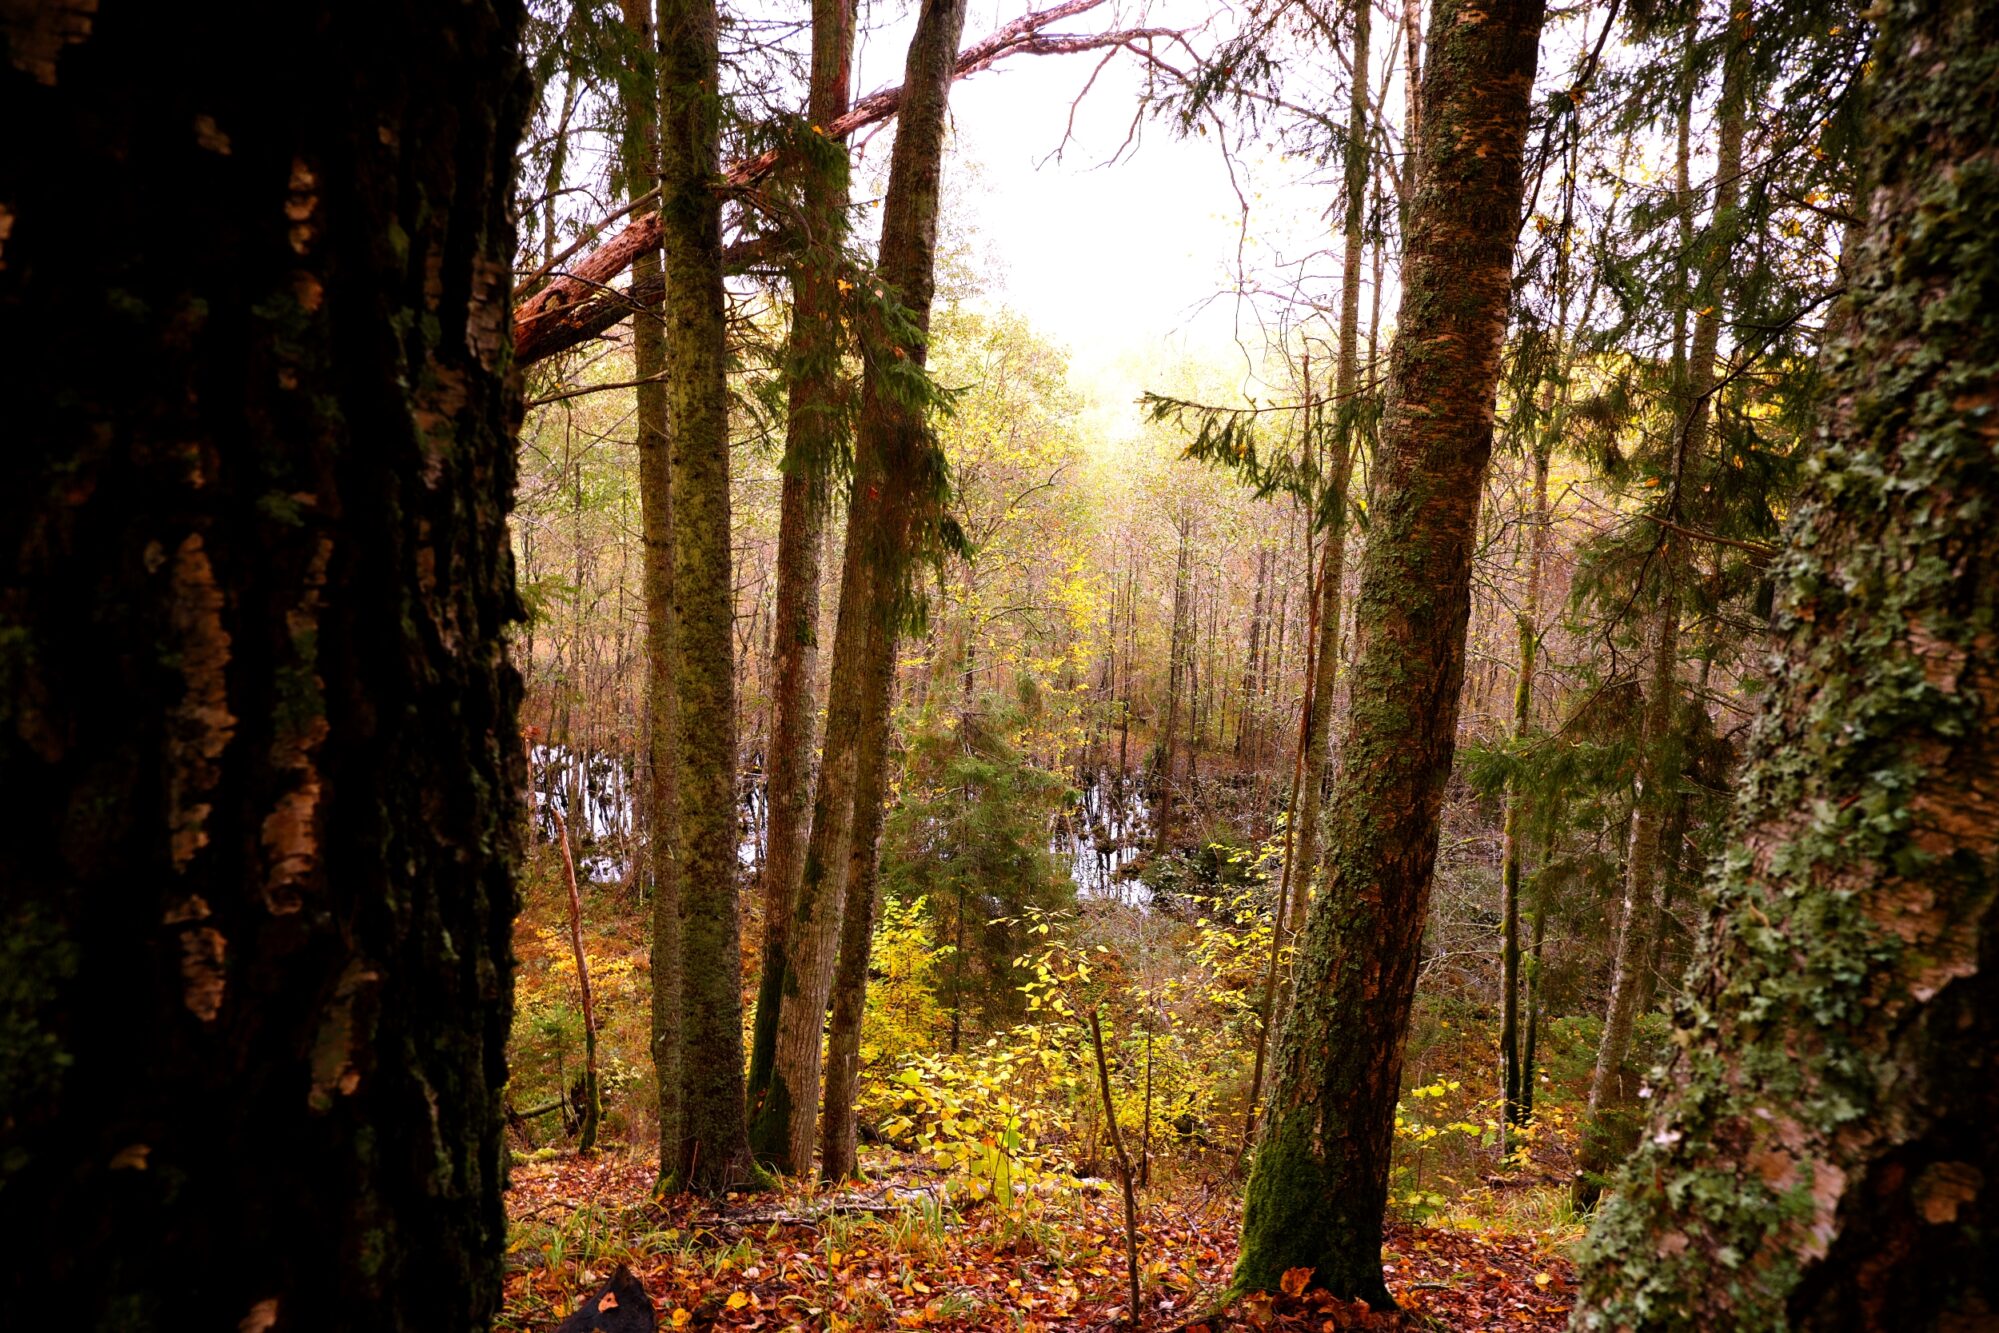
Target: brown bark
[
  {"x": 1320, "y": 1183},
  {"x": 256, "y": 714}
]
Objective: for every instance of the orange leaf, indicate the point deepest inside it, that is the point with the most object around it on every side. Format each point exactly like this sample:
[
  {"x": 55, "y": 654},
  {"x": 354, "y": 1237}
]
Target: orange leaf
[{"x": 1295, "y": 1280}]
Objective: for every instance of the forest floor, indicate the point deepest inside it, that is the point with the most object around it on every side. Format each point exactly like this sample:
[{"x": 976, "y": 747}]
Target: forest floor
[{"x": 901, "y": 1252}]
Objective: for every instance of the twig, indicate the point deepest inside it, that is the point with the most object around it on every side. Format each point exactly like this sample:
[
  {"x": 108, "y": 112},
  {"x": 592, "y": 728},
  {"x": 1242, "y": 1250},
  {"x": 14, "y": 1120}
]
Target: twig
[{"x": 1123, "y": 1164}]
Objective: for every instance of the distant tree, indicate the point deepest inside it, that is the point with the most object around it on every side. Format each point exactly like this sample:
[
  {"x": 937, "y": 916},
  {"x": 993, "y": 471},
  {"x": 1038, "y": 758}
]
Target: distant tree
[
  {"x": 257, "y": 722},
  {"x": 1823, "y": 1156},
  {"x": 970, "y": 831}
]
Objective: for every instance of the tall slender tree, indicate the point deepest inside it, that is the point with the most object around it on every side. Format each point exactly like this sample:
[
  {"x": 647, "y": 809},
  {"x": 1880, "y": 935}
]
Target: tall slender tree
[
  {"x": 1822, "y": 1156},
  {"x": 713, "y": 1153},
  {"x": 256, "y": 711},
  {"x": 899, "y": 491},
  {"x": 1320, "y": 1182},
  {"x": 816, "y": 431},
  {"x": 639, "y": 92},
  {"x": 1607, "y": 1131}
]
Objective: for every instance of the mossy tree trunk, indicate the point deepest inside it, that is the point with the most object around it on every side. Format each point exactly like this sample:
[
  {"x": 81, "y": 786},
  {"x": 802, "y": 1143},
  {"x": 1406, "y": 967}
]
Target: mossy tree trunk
[
  {"x": 639, "y": 96},
  {"x": 714, "y": 1151},
  {"x": 898, "y": 473},
  {"x": 257, "y": 723},
  {"x": 1823, "y": 1154},
  {"x": 816, "y": 428},
  {"x": 1320, "y": 1183}
]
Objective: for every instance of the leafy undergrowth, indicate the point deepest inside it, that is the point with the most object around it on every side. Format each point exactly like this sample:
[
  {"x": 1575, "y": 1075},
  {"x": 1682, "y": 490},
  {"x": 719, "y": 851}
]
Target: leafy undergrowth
[{"x": 910, "y": 1250}]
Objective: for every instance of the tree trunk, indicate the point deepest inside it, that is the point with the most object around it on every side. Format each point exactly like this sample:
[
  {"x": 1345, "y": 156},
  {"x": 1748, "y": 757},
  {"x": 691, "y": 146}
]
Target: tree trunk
[
  {"x": 1176, "y": 681},
  {"x": 257, "y": 721},
  {"x": 714, "y": 1152},
  {"x": 1530, "y": 1047},
  {"x": 815, "y": 428},
  {"x": 1321, "y": 1178},
  {"x": 1824, "y": 1138},
  {"x": 593, "y": 1104},
  {"x": 1333, "y": 505},
  {"x": 1609, "y": 1127},
  {"x": 1245, "y": 732},
  {"x": 639, "y": 97},
  {"x": 1527, "y": 624},
  {"x": 899, "y": 474}
]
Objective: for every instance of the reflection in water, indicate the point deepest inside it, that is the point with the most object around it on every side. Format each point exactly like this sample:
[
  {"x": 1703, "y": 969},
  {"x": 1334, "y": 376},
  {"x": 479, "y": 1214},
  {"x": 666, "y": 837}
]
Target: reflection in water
[{"x": 1102, "y": 833}]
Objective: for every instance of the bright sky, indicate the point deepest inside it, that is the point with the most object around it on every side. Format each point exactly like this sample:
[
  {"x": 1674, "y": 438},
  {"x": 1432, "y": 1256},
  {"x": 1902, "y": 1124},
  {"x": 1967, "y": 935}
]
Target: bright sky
[{"x": 1127, "y": 265}]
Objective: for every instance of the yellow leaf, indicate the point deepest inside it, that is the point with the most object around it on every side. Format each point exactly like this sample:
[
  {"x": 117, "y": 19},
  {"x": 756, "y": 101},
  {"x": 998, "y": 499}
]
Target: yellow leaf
[
  {"x": 1542, "y": 1279},
  {"x": 681, "y": 1318},
  {"x": 737, "y": 1300}
]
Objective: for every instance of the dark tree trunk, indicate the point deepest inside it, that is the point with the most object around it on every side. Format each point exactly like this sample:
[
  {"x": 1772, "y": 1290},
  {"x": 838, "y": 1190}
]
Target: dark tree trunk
[
  {"x": 815, "y": 428},
  {"x": 1320, "y": 1183},
  {"x": 257, "y": 723},
  {"x": 1512, "y": 1073},
  {"x": 714, "y": 1152},
  {"x": 899, "y": 488},
  {"x": 1825, "y": 1135}
]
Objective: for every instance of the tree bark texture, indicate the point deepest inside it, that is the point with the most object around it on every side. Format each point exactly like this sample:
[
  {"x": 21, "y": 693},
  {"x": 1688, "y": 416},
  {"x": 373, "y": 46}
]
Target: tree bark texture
[
  {"x": 1823, "y": 1155},
  {"x": 714, "y": 1152},
  {"x": 257, "y": 720},
  {"x": 1320, "y": 1181},
  {"x": 816, "y": 431}
]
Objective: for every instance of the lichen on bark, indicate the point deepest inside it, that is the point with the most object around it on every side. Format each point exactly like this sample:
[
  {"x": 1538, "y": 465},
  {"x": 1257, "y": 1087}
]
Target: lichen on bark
[{"x": 1827, "y": 1113}]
